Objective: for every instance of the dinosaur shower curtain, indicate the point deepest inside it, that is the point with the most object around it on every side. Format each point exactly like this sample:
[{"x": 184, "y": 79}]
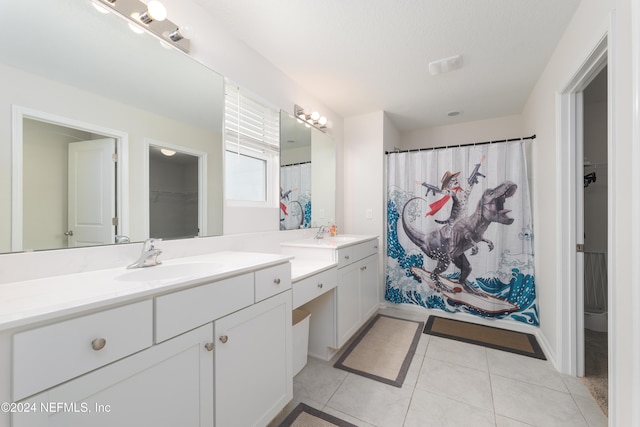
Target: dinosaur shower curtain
[
  {"x": 459, "y": 231},
  {"x": 295, "y": 196}
]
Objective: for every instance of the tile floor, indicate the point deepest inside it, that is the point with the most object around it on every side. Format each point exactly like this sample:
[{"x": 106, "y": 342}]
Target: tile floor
[{"x": 451, "y": 384}]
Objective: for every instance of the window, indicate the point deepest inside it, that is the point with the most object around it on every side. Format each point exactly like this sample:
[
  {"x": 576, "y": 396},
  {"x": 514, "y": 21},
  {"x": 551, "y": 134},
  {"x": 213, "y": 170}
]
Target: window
[{"x": 252, "y": 135}]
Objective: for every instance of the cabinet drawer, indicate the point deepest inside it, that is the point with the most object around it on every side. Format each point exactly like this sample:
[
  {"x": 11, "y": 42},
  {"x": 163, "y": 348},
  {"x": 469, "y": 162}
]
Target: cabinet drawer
[
  {"x": 345, "y": 256},
  {"x": 314, "y": 286},
  {"x": 365, "y": 249},
  {"x": 52, "y": 354},
  {"x": 350, "y": 254},
  {"x": 185, "y": 310},
  {"x": 272, "y": 281}
]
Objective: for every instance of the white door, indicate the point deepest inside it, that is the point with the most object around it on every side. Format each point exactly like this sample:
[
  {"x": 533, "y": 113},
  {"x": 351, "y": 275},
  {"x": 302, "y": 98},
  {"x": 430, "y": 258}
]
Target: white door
[{"x": 92, "y": 192}]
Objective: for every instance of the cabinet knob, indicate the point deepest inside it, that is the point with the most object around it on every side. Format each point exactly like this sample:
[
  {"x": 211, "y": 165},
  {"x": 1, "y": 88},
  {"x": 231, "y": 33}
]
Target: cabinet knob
[
  {"x": 320, "y": 285},
  {"x": 346, "y": 257},
  {"x": 98, "y": 344},
  {"x": 209, "y": 346},
  {"x": 224, "y": 339},
  {"x": 276, "y": 281}
]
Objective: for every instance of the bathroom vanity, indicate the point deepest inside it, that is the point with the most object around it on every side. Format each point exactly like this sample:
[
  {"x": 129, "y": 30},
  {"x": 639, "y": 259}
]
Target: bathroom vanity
[
  {"x": 189, "y": 342},
  {"x": 342, "y": 294}
]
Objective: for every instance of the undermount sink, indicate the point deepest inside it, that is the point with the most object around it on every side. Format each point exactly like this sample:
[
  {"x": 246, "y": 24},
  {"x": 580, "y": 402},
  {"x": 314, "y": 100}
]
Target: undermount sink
[{"x": 169, "y": 272}]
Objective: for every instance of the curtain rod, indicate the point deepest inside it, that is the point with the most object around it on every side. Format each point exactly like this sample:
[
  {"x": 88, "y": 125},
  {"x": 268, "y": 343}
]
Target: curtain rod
[
  {"x": 296, "y": 164},
  {"x": 461, "y": 145}
]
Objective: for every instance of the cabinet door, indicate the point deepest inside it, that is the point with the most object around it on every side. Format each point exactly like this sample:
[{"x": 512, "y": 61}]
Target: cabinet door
[
  {"x": 369, "y": 286},
  {"x": 348, "y": 302},
  {"x": 253, "y": 363},
  {"x": 170, "y": 385}
]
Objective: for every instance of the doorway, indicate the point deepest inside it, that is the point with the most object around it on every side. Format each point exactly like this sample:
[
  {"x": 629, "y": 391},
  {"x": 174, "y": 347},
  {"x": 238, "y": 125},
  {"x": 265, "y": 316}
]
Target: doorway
[
  {"x": 176, "y": 185},
  {"x": 571, "y": 210},
  {"x": 40, "y": 183},
  {"x": 595, "y": 218}
]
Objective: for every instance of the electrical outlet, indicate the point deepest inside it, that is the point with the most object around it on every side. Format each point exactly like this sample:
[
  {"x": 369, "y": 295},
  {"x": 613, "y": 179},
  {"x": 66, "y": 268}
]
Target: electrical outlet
[{"x": 369, "y": 213}]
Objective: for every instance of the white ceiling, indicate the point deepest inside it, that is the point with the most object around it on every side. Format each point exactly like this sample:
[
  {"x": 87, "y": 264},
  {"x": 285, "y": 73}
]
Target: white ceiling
[{"x": 361, "y": 56}]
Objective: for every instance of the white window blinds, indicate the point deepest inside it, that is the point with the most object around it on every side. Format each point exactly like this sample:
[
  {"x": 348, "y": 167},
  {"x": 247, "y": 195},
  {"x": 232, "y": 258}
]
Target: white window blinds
[{"x": 248, "y": 123}]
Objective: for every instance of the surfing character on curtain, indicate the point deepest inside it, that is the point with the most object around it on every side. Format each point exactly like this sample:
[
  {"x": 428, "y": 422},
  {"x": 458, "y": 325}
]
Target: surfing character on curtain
[{"x": 459, "y": 233}]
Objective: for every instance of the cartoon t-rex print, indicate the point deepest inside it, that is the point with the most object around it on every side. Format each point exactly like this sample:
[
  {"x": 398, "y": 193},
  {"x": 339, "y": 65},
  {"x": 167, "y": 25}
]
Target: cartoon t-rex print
[{"x": 448, "y": 244}]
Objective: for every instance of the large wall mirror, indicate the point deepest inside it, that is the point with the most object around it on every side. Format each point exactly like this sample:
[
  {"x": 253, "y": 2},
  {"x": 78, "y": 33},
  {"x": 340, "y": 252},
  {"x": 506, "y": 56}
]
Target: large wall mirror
[
  {"x": 77, "y": 84},
  {"x": 307, "y": 175}
]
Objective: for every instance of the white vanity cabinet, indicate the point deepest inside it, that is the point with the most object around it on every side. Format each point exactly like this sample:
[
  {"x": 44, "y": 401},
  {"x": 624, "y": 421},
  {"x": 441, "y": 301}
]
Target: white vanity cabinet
[
  {"x": 337, "y": 315},
  {"x": 165, "y": 385},
  {"x": 357, "y": 291},
  {"x": 211, "y": 352}
]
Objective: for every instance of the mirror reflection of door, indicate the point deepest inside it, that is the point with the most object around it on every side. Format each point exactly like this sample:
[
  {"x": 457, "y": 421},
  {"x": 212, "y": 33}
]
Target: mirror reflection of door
[
  {"x": 91, "y": 193},
  {"x": 174, "y": 193},
  {"x": 46, "y": 192}
]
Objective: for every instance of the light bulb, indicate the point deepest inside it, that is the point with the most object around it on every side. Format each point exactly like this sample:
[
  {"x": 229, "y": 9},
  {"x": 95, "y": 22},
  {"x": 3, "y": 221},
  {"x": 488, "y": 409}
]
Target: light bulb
[
  {"x": 180, "y": 33},
  {"x": 315, "y": 116},
  {"x": 155, "y": 11},
  {"x": 186, "y": 31},
  {"x": 322, "y": 121}
]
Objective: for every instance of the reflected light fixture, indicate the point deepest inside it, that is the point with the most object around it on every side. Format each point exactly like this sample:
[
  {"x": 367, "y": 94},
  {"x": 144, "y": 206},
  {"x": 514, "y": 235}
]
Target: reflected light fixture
[
  {"x": 151, "y": 18},
  {"x": 313, "y": 119},
  {"x": 167, "y": 152}
]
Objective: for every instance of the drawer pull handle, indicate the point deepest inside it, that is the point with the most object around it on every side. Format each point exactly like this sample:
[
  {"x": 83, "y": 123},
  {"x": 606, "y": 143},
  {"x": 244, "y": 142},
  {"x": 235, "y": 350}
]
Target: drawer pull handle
[
  {"x": 209, "y": 346},
  {"x": 320, "y": 285},
  {"x": 224, "y": 339},
  {"x": 363, "y": 268},
  {"x": 276, "y": 281},
  {"x": 98, "y": 344}
]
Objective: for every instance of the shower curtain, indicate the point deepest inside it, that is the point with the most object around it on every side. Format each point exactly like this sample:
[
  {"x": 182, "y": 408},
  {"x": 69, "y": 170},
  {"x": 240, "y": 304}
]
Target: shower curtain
[
  {"x": 459, "y": 231},
  {"x": 295, "y": 196}
]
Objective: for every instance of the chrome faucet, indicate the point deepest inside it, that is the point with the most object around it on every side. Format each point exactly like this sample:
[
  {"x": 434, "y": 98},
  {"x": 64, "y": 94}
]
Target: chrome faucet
[
  {"x": 321, "y": 231},
  {"x": 149, "y": 255}
]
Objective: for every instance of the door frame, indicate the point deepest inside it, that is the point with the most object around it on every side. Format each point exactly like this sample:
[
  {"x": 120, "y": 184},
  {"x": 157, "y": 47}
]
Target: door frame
[
  {"x": 202, "y": 183},
  {"x": 570, "y": 307},
  {"x": 20, "y": 113}
]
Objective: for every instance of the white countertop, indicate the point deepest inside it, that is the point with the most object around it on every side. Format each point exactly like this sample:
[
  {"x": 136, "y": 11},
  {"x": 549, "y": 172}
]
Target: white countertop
[
  {"x": 31, "y": 301},
  {"x": 303, "y": 268},
  {"x": 336, "y": 242}
]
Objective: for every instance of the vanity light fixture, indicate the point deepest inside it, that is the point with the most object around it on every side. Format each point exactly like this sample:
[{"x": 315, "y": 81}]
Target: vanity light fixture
[
  {"x": 152, "y": 18},
  {"x": 313, "y": 119}
]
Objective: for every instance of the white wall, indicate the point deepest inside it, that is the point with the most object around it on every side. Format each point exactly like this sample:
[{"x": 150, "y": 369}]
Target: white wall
[
  {"x": 217, "y": 49},
  {"x": 464, "y": 133},
  {"x": 591, "y": 21},
  {"x": 364, "y": 174}
]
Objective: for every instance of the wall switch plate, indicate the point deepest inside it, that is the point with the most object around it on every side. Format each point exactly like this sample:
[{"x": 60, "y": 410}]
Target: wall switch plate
[
  {"x": 320, "y": 213},
  {"x": 369, "y": 213}
]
